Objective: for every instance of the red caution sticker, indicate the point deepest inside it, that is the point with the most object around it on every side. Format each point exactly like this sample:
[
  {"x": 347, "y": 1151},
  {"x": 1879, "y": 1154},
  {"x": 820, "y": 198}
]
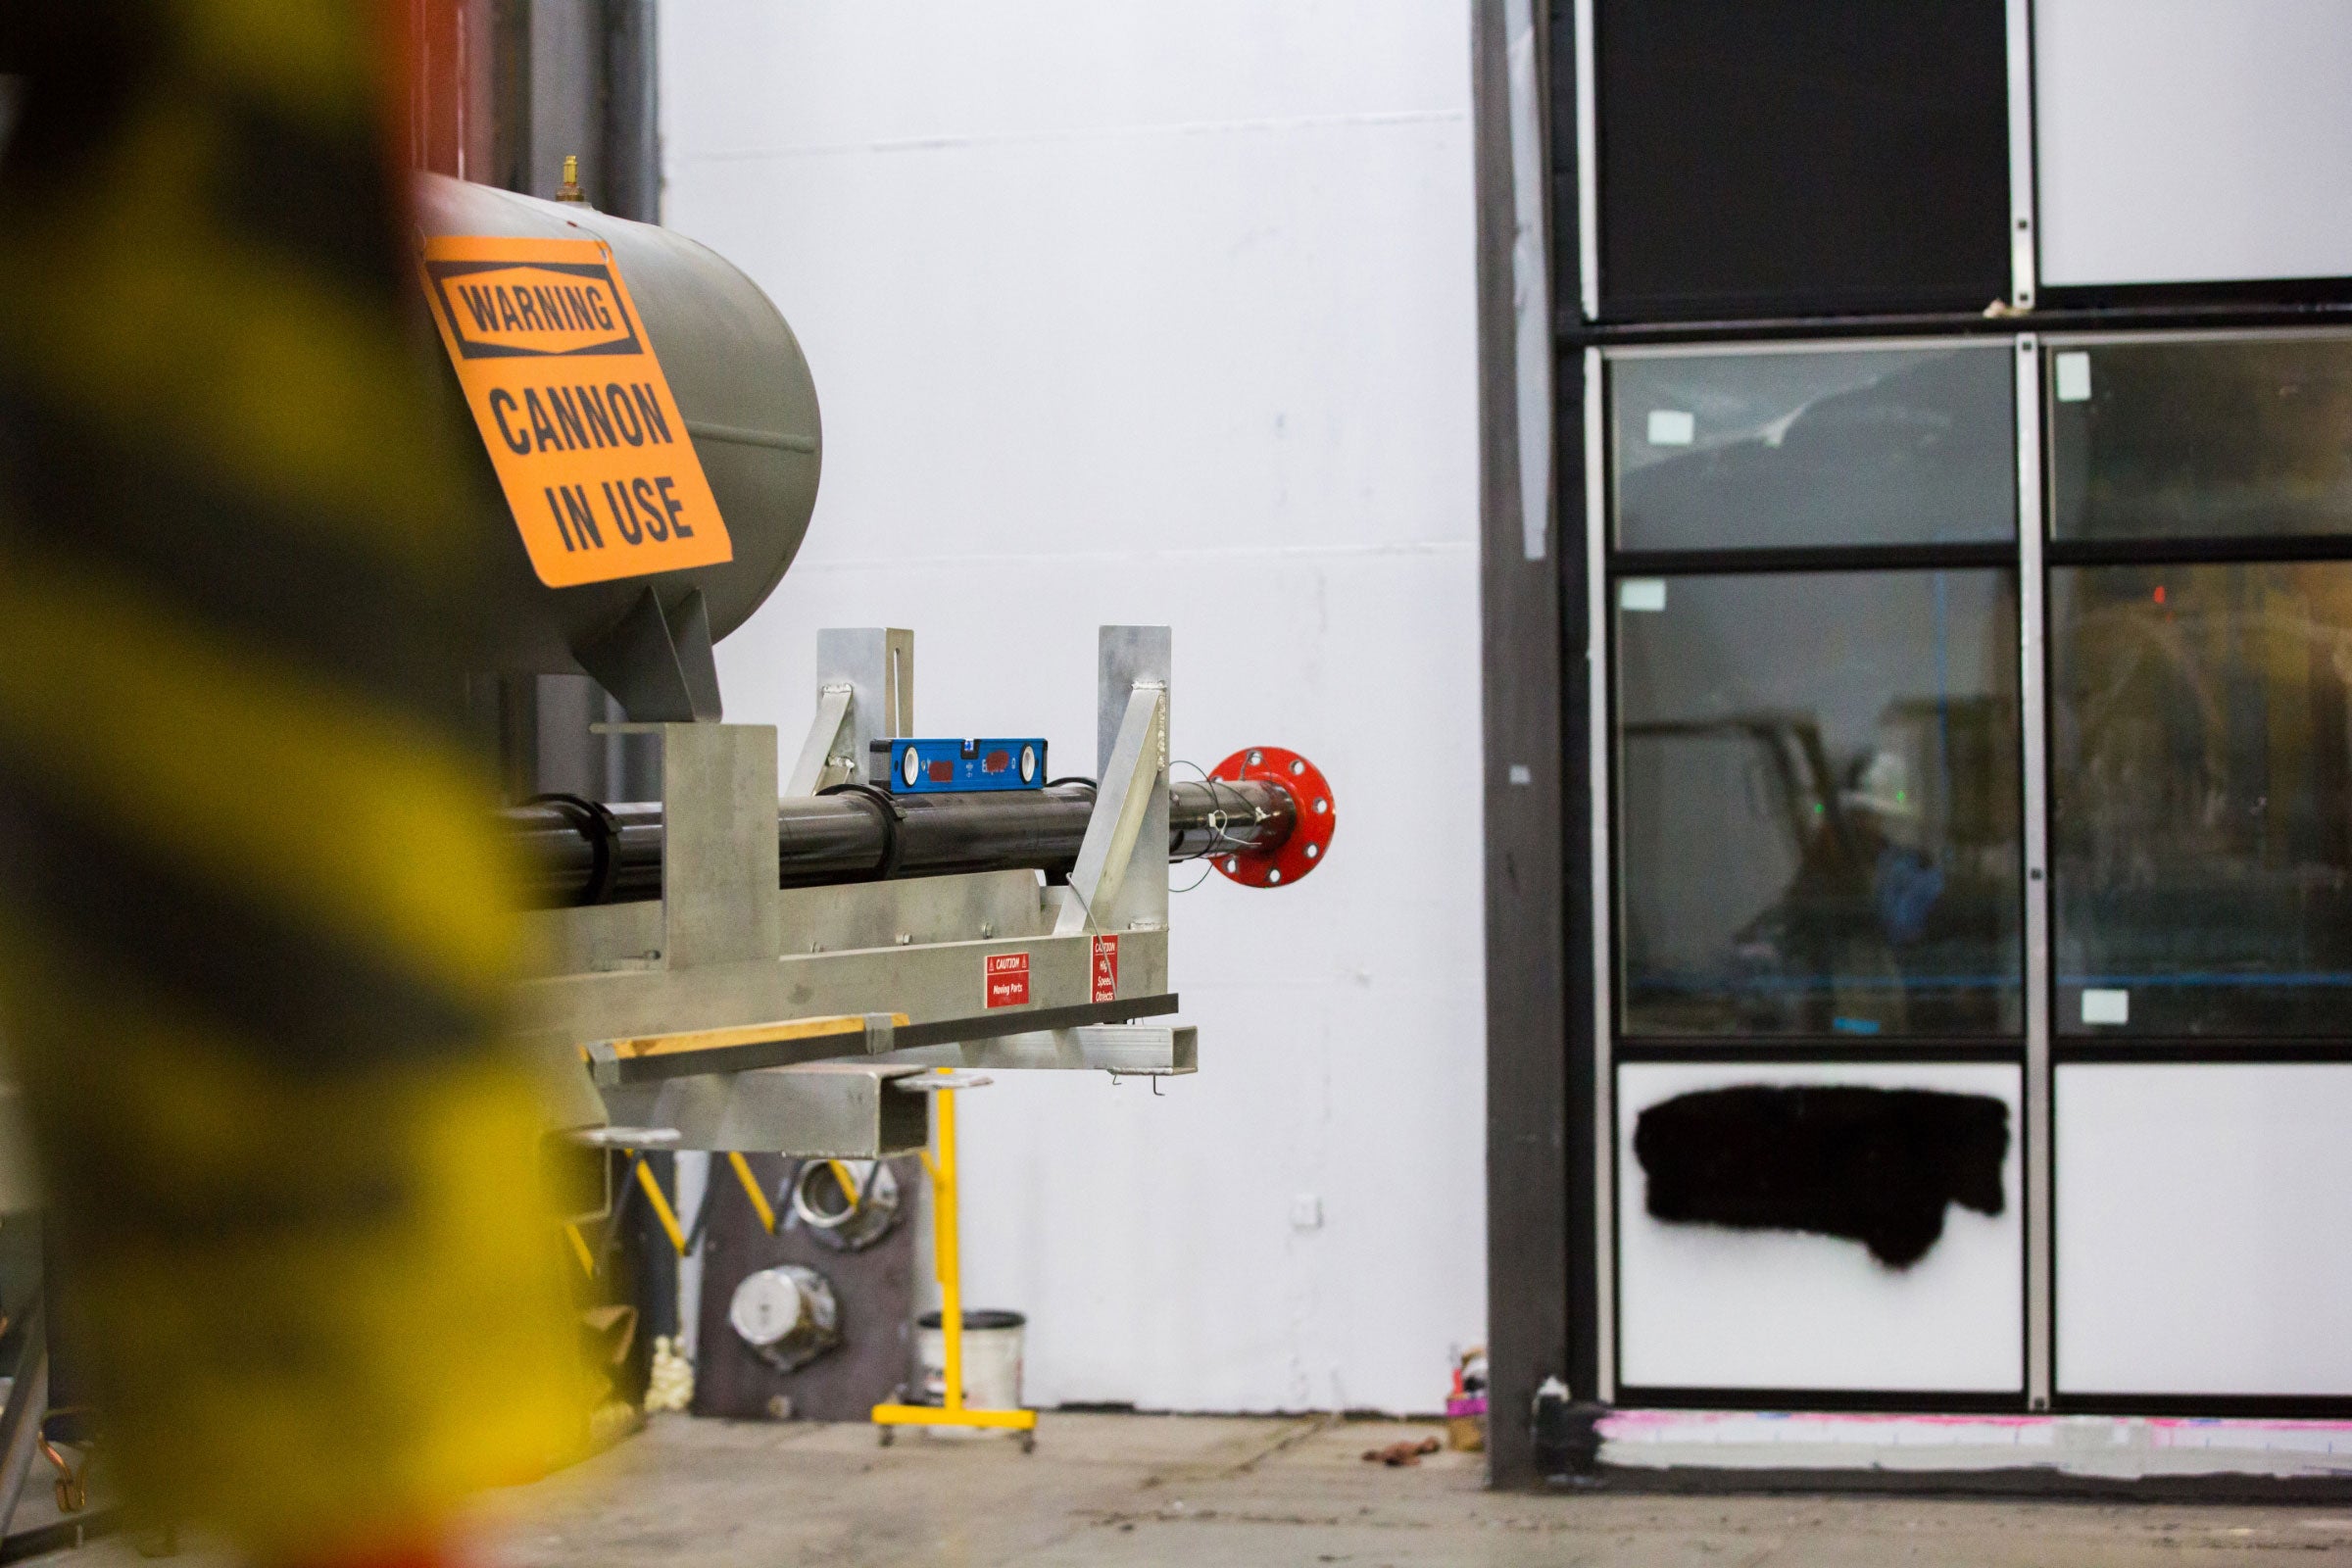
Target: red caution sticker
[
  {"x": 1107, "y": 968},
  {"x": 1006, "y": 977}
]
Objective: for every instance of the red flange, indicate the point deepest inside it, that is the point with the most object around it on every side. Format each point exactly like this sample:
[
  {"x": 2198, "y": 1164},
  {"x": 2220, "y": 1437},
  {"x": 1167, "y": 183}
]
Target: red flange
[{"x": 1310, "y": 837}]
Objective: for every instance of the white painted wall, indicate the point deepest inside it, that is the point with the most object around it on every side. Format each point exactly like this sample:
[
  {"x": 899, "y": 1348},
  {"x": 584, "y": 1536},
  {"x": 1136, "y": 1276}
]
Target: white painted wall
[{"x": 1122, "y": 311}]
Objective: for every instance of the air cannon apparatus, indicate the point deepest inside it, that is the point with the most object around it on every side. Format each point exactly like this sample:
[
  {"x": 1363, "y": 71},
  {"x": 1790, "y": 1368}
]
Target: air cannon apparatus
[{"x": 765, "y": 958}]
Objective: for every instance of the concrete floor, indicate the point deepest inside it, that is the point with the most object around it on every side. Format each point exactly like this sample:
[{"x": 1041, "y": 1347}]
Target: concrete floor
[{"x": 1206, "y": 1492}]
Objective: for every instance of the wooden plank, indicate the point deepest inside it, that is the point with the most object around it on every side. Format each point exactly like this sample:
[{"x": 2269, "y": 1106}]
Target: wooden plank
[{"x": 749, "y": 1034}]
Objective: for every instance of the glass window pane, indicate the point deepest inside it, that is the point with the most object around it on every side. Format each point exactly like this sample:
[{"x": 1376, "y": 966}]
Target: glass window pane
[
  {"x": 1817, "y": 803},
  {"x": 2201, "y": 798},
  {"x": 2200, "y": 440},
  {"x": 1814, "y": 446}
]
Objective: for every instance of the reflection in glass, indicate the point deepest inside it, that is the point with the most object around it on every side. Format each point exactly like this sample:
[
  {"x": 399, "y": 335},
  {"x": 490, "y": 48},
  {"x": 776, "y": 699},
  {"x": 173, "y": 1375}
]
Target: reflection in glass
[
  {"x": 1803, "y": 448},
  {"x": 2215, "y": 439},
  {"x": 1818, "y": 800},
  {"x": 2201, "y": 798}
]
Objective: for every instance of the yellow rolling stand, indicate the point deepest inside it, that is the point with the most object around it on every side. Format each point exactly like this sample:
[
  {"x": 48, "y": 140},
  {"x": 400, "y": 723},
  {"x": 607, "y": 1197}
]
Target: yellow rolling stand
[{"x": 953, "y": 1412}]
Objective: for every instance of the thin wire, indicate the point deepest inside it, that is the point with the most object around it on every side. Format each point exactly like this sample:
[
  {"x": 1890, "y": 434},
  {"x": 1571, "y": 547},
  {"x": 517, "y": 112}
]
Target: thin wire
[
  {"x": 1084, "y": 907},
  {"x": 1214, "y": 825},
  {"x": 1218, "y": 817}
]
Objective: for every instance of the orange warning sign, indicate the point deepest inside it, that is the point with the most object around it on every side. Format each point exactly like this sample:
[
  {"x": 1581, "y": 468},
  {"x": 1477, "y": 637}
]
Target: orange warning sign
[{"x": 587, "y": 440}]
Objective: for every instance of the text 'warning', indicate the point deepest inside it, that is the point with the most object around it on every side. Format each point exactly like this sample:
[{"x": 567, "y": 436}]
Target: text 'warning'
[{"x": 573, "y": 406}]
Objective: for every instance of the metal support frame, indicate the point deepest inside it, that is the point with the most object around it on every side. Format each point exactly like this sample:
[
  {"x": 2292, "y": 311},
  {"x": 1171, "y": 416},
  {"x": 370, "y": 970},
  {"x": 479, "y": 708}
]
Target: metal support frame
[
  {"x": 726, "y": 950},
  {"x": 1604, "y": 901},
  {"x": 718, "y": 875},
  {"x": 2032, "y": 715},
  {"x": 1519, "y": 659}
]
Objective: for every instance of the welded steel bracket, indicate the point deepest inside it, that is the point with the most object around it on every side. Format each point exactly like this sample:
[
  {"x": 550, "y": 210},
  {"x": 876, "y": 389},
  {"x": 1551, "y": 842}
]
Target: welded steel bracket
[
  {"x": 1138, "y": 762},
  {"x": 865, "y": 692},
  {"x": 658, "y": 662},
  {"x": 1111, "y": 891},
  {"x": 826, "y": 757}
]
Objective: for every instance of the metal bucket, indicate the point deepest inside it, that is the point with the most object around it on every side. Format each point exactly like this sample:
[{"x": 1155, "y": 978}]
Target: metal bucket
[{"x": 992, "y": 1342}]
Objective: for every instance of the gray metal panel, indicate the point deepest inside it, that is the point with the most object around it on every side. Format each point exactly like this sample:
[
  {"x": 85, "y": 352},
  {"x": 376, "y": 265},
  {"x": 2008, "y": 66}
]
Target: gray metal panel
[
  {"x": 718, "y": 866},
  {"x": 875, "y": 1289},
  {"x": 914, "y": 912},
  {"x": 594, "y": 939}
]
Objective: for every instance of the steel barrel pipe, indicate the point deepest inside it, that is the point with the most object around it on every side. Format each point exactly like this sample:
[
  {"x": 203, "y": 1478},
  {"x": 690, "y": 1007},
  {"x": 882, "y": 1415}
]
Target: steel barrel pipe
[{"x": 577, "y": 851}]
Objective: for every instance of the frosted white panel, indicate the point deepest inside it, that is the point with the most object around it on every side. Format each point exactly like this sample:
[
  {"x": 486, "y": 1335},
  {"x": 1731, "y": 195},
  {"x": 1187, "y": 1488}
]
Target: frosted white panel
[
  {"x": 1705, "y": 1306},
  {"x": 2194, "y": 141},
  {"x": 2204, "y": 1229}
]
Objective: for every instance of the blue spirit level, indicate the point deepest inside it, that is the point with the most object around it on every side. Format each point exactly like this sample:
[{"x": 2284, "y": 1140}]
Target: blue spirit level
[{"x": 960, "y": 767}]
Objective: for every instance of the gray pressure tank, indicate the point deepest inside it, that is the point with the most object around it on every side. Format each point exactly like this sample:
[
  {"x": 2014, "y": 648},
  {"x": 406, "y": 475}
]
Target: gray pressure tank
[{"x": 741, "y": 382}]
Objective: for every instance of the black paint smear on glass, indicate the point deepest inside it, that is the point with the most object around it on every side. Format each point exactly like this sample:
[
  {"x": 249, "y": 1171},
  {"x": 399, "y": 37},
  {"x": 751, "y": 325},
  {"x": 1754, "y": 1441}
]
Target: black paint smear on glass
[{"x": 1873, "y": 1165}]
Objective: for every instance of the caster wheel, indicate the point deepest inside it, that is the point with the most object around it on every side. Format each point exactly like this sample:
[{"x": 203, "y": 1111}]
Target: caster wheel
[
  {"x": 1028, "y": 1443},
  {"x": 886, "y": 1436}
]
